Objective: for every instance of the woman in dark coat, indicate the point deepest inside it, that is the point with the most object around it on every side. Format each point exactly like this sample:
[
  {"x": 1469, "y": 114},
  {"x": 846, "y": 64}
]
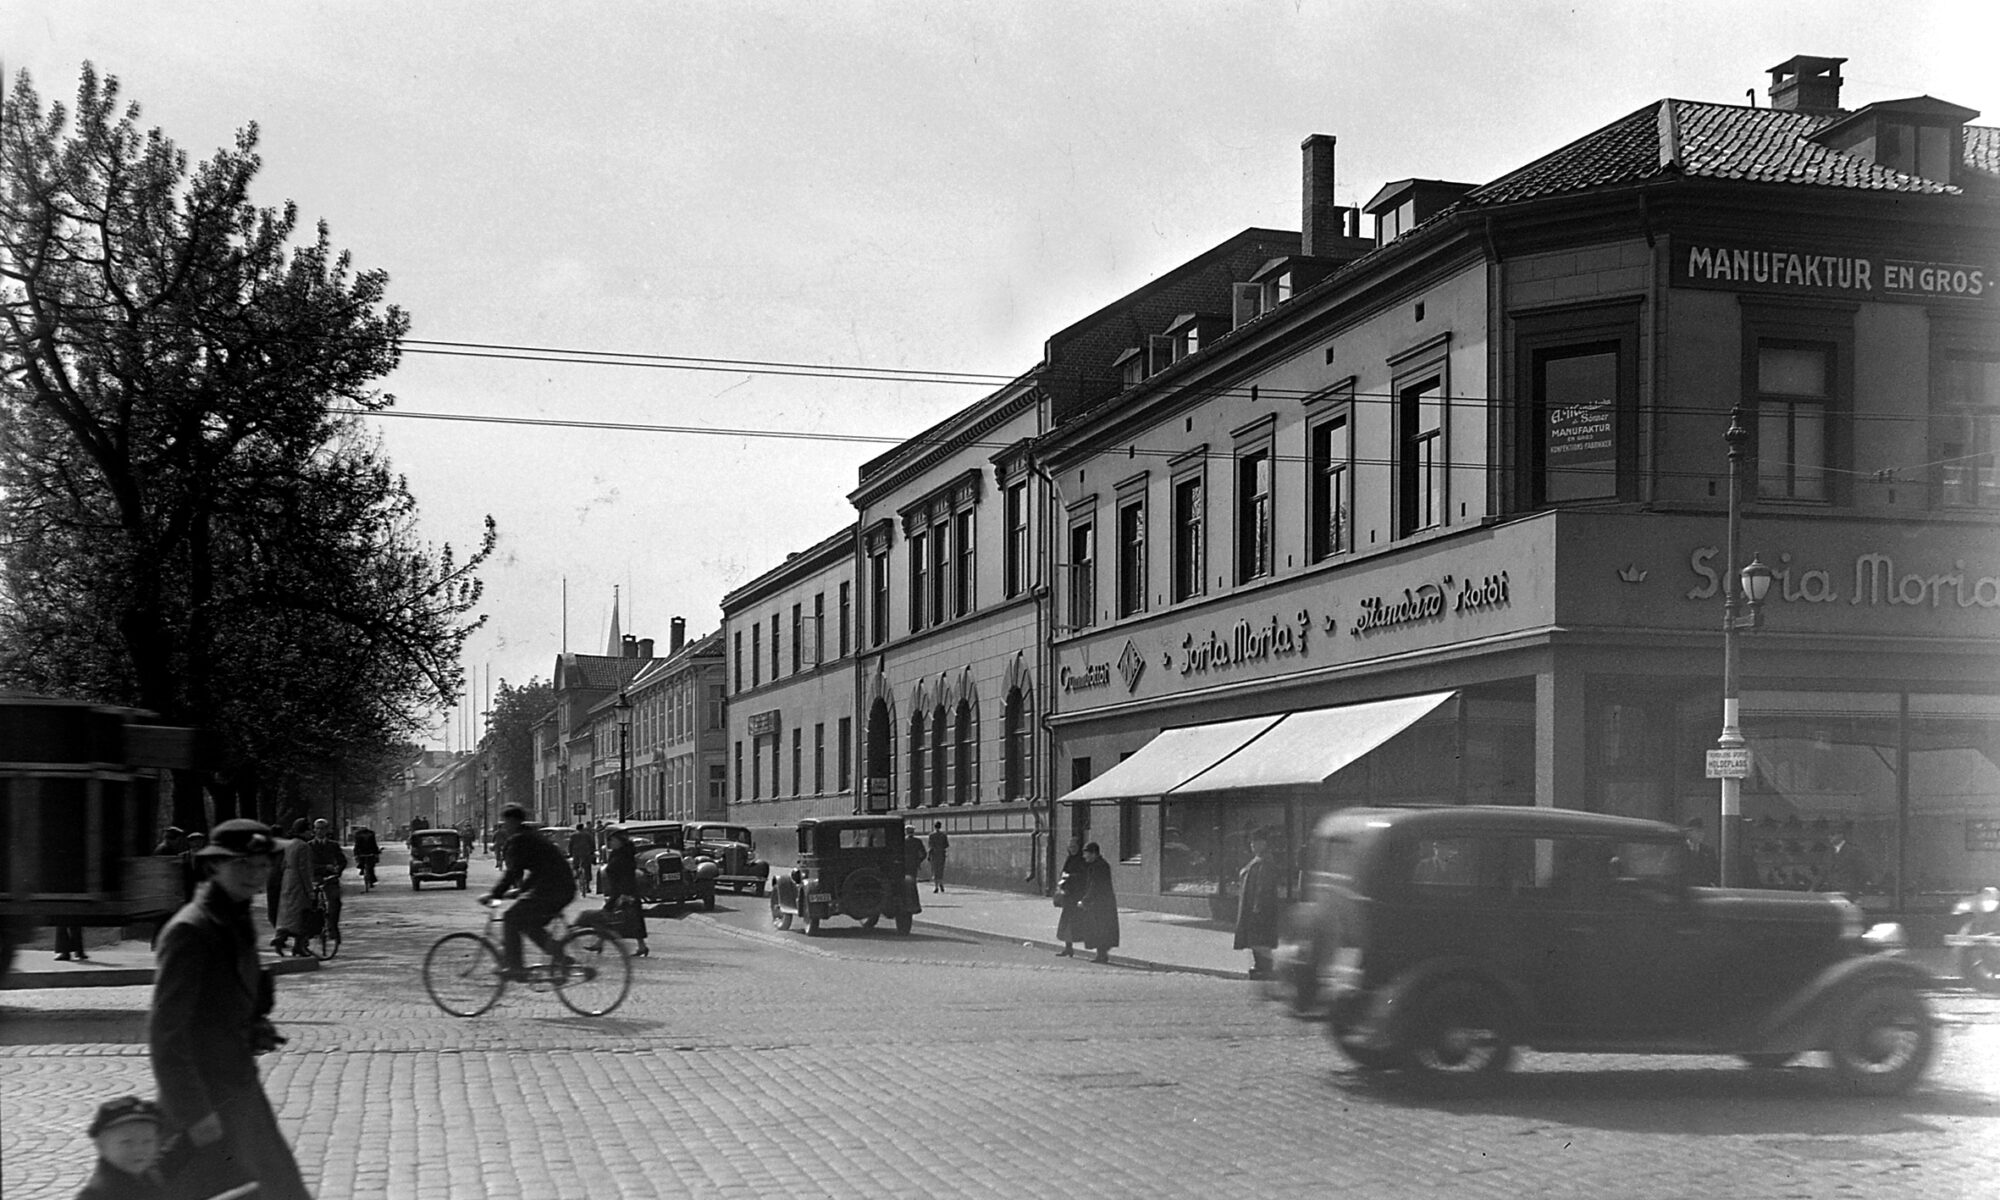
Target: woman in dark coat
[
  {"x": 1069, "y": 890},
  {"x": 1097, "y": 908},
  {"x": 621, "y": 888},
  {"x": 1257, "y": 905}
]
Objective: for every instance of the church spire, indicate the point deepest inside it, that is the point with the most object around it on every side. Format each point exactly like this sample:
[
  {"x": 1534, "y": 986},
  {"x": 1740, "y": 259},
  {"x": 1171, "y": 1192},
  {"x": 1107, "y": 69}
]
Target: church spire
[{"x": 616, "y": 646}]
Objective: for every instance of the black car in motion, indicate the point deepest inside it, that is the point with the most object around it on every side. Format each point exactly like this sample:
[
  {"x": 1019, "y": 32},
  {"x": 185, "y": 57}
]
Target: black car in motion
[{"x": 1440, "y": 939}]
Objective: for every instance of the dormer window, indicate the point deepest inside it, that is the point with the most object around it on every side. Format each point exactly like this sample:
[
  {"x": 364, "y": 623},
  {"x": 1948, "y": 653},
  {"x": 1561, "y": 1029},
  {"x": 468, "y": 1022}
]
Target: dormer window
[
  {"x": 1131, "y": 367},
  {"x": 1921, "y": 136},
  {"x": 1278, "y": 289}
]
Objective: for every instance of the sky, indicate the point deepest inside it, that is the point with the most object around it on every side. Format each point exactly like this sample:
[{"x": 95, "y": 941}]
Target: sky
[{"x": 863, "y": 189}]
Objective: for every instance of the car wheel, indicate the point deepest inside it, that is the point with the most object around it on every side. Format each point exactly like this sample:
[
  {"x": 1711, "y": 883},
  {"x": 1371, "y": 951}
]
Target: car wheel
[
  {"x": 708, "y": 901},
  {"x": 1459, "y": 1034},
  {"x": 1882, "y": 1040},
  {"x": 903, "y": 922},
  {"x": 780, "y": 919},
  {"x": 811, "y": 920},
  {"x": 1367, "y": 1058},
  {"x": 416, "y": 885},
  {"x": 1768, "y": 1062}
]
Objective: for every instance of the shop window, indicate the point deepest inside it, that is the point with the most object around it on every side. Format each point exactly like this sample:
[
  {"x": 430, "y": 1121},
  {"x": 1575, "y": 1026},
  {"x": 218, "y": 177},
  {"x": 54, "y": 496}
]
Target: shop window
[
  {"x": 1967, "y": 424},
  {"x": 1190, "y": 548},
  {"x": 1820, "y": 804},
  {"x": 1132, "y": 555},
  {"x": 1953, "y": 825}
]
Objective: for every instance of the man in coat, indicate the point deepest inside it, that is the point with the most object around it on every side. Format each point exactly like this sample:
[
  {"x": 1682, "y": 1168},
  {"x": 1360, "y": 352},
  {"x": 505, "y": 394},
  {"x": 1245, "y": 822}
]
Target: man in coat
[
  {"x": 582, "y": 855},
  {"x": 292, "y": 892},
  {"x": 210, "y": 1018},
  {"x": 1257, "y": 905}
]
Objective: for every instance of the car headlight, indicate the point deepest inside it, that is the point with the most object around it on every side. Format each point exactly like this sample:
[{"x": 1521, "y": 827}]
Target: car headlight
[{"x": 1885, "y": 936}]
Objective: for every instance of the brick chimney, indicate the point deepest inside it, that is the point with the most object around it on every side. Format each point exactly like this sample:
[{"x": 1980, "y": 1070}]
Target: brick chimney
[
  {"x": 645, "y": 647},
  {"x": 1807, "y": 84},
  {"x": 1320, "y": 219},
  {"x": 677, "y": 632},
  {"x": 631, "y": 646}
]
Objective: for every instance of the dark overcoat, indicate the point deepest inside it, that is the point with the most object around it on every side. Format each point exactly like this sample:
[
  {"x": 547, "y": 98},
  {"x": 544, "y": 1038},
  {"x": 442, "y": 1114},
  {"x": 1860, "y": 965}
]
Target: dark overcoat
[
  {"x": 1257, "y": 905},
  {"x": 210, "y": 1000},
  {"x": 1097, "y": 908},
  {"x": 1069, "y": 890}
]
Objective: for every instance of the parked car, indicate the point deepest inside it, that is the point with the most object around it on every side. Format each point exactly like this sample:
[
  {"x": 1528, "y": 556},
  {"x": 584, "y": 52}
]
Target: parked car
[
  {"x": 859, "y": 867},
  {"x": 436, "y": 854},
  {"x": 1440, "y": 939},
  {"x": 666, "y": 874},
  {"x": 734, "y": 852}
]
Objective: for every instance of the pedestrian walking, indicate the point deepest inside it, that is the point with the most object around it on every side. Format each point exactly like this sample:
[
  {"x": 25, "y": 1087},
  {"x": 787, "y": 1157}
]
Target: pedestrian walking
[
  {"x": 173, "y": 842},
  {"x": 1069, "y": 890},
  {"x": 127, "y": 1134},
  {"x": 621, "y": 889},
  {"x": 294, "y": 893},
  {"x": 1257, "y": 905},
  {"x": 69, "y": 944},
  {"x": 582, "y": 856},
  {"x": 937, "y": 846},
  {"x": 211, "y": 1018},
  {"x": 1097, "y": 907}
]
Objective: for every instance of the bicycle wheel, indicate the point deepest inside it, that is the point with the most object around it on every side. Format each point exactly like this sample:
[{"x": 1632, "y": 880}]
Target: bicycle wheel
[
  {"x": 462, "y": 974},
  {"x": 326, "y": 943},
  {"x": 596, "y": 972}
]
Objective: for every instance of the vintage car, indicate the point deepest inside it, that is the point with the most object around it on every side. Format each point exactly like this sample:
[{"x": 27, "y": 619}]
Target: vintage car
[
  {"x": 436, "y": 854},
  {"x": 734, "y": 853},
  {"x": 1440, "y": 939},
  {"x": 666, "y": 873},
  {"x": 859, "y": 867}
]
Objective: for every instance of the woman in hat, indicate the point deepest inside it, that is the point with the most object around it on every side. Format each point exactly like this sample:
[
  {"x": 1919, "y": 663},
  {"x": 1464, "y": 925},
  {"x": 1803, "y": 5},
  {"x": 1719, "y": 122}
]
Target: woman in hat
[
  {"x": 1097, "y": 906},
  {"x": 210, "y": 1018}
]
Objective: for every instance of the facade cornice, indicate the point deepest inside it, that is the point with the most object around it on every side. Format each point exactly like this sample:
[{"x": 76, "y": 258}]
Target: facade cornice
[{"x": 923, "y": 453}]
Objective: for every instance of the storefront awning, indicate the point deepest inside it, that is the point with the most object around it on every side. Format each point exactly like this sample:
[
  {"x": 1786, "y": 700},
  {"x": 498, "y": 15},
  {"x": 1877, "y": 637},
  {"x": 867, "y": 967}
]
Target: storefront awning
[
  {"x": 1310, "y": 747},
  {"x": 1287, "y": 750},
  {"x": 1171, "y": 758}
]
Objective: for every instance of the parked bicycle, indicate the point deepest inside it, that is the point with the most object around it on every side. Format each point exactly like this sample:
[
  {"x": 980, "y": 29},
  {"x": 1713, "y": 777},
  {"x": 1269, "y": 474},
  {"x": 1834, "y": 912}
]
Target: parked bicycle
[{"x": 590, "y": 972}]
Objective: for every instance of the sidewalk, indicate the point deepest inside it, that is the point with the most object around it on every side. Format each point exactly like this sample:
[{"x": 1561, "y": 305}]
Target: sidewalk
[
  {"x": 1152, "y": 940},
  {"x": 117, "y": 964}
]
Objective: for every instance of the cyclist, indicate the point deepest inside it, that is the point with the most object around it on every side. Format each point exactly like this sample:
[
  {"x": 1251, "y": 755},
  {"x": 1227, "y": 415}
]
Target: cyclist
[
  {"x": 545, "y": 882},
  {"x": 367, "y": 852},
  {"x": 328, "y": 861}
]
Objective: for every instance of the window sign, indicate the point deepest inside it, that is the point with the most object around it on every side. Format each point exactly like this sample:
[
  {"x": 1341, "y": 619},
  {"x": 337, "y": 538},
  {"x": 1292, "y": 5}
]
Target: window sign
[{"x": 1580, "y": 447}]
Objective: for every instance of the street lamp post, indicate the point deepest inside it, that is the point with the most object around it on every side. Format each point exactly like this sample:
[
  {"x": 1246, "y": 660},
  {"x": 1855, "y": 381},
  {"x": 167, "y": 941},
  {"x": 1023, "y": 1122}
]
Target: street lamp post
[
  {"x": 624, "y": 707},
  {"x": 1755, "y": 584}
]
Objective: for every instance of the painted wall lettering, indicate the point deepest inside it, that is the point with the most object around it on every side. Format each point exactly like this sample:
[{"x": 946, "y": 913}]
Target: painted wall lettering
[
  {"x": 1874, "y": 580},
  {"x": 1774, "y": 268},
  {"x": 1245, "y": 643}
]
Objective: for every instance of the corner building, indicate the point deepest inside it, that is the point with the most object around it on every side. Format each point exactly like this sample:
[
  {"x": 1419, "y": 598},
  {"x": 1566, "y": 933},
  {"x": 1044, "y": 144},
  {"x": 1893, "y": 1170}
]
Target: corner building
[{"x": 1446, "y": 519}]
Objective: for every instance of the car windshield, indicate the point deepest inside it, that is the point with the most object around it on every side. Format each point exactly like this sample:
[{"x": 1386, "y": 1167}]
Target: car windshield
[
  {"x": 1578, "y": 867},
  {"x": 724, "y": 833},
  {"x": 433, "y": 841}
]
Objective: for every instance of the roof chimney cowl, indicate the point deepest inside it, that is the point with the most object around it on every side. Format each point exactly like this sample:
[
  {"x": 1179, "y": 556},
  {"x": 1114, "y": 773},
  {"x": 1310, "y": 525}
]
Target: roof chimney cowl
[{"x": 1807, "y": 83}]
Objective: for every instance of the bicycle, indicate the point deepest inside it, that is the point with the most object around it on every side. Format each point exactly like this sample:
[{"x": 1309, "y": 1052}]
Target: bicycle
[
  {"x": 590, "y": 972},
  {"x": 367, "y": 864},
  {"x": 324, "y": 942}
]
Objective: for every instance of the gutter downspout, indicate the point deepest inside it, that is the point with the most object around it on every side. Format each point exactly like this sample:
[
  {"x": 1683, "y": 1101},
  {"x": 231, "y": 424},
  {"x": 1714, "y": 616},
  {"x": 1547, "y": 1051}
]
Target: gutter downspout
[{"x": 1043, "y": 858}]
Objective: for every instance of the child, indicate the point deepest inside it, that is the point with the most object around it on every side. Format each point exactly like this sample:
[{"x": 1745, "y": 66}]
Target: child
[{"x": 127, "y": 1133}]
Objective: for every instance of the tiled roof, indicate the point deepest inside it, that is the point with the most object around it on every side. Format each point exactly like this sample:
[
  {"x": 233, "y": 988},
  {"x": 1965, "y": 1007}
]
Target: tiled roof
[{"x": 1717, "y": 141}]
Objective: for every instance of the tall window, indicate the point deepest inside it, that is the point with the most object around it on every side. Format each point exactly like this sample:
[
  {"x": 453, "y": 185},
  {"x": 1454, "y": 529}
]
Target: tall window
[
  {"x": 1330, "y": 461},
  {"x": 941, "y": 563},
  {"x": 1794, "y": 396},
  {"x": 738, "y": 660},
  {"x": 756, "y": 654},
  {"x": 819, "y": 627},
  {"x": 963, "y": 759},
  {"x": 920, "y": 577},
  {"x": 739, "y": 770},
  {"x": 1190, "y": 537},
  {"x": 756, "y": 768},
  {"x": 846, "y": 615},
  {"x": 774, "y": 646},
  {"x": 798, "y": 638},
  {"x": 878, "y": 596},
  {"x": 843, "y": 755},
  {"x": 918, "y": 745},
  {"x": 1968, "y": 407},
  {"x": 940, "y": 746},
  {"x": 798, "y": 760},
  {"x": 1014, "y": 717},
  {"x": 1253, "y": 514},
  {"x": 1420, "y": 456},
  {"x": 1017, "y": 538},
  {"x": 1132, "y": 555},
  {"x": 1082, "y": 574},
  {"x": 1577, "y": 438},
  {"x": 963, "y": 576},
  {"x": 819, "y": 758}
]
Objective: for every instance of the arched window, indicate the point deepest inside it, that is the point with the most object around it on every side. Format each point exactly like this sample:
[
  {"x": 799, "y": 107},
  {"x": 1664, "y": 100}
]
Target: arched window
[
  {"x": 1015, "y": 717},
  {"x": 940, "y": 769},
  {"x": 917, "y": 760},
  {"x": 968, "y": 747}
]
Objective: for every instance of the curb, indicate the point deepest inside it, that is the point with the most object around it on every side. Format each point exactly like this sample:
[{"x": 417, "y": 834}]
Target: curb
[
  {"x": 20, "y": 981},
  {"x": 1117, "y": 960}
]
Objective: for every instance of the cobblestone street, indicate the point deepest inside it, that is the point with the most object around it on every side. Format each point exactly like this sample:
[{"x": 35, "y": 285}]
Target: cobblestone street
[{"x": 752, "y": 1063}]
